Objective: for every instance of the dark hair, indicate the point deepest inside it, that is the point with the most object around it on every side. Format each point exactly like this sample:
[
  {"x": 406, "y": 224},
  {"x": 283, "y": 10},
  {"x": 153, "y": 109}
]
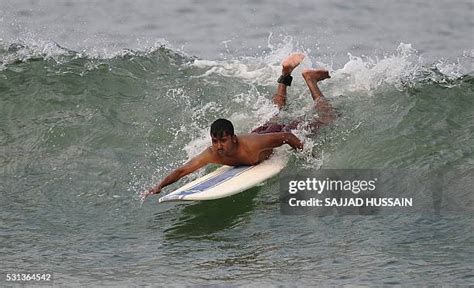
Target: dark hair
[{"x": 222, "y": 127}]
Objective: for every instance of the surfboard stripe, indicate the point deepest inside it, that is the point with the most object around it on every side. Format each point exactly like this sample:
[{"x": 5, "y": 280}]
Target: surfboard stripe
[
  {"x": 216, "y": 180},
  {"x": 219, "y": 171},
  {"x": 208, "y": 183}
]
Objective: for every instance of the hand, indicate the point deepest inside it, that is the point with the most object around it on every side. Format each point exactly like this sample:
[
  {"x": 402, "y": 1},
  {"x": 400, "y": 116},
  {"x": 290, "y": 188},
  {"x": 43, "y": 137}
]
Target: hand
[{"x": 154, "y": 190}]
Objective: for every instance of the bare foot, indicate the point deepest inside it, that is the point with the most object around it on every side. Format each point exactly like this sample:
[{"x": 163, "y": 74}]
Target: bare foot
[
  {"x": 290, "y": 63},
  {"x": 315, "y": 74}
]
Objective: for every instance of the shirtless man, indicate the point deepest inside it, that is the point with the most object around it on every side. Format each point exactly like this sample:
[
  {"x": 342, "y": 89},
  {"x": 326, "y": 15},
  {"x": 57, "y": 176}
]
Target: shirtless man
[{"x": 251, "y": 149}]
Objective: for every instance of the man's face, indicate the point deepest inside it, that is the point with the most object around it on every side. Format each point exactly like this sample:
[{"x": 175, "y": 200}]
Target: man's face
[{"x": 223, "y": 145}]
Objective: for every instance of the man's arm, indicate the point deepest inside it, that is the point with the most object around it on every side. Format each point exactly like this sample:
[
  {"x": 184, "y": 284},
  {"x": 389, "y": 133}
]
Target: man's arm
[
  {"x": 192, "y": 165},
  {"x": 273, "y": 140}
]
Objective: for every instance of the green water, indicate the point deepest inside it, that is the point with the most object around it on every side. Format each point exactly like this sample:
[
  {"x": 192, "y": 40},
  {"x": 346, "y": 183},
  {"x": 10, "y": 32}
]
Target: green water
[{"x": 82, "y": 136}]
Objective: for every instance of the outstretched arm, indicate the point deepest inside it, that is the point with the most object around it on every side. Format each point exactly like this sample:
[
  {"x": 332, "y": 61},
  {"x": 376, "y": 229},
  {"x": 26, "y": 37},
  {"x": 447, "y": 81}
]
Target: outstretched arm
[{"x": 192, "y": 165}]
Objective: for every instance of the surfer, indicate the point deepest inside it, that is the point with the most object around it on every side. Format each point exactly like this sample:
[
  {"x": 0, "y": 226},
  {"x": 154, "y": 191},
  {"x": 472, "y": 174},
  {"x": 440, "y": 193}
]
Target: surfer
[{"x": 251, "y": 149}]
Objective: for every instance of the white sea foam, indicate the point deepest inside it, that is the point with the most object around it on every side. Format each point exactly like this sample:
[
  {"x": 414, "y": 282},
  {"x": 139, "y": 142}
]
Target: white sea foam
[{"x": 360, "y": 74}]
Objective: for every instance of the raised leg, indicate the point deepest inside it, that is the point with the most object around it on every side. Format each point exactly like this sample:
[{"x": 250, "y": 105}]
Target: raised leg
[
  {"x": 312, "y": 77},
  {"x": 288, "y": 65}
]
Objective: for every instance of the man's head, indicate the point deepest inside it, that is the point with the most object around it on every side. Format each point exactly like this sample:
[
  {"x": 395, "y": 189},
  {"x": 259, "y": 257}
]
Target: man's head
[
  {"x": 223, "y": 137},
  {"x": 222, "y": 127}
]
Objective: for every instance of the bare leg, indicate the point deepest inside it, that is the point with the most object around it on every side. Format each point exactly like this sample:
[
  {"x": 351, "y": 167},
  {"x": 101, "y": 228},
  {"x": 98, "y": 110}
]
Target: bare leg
[
  {"x": 288, "y": 65},
  {"x": 312, "y": 77}
]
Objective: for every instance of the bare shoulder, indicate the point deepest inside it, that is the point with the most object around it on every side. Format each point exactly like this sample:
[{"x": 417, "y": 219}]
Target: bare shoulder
[
  {"x": 204, "y": 157},
  {"x": 207, "y": 154},
  {"x": 251, "y": 138},
  {"x": 210, "y": 156}
]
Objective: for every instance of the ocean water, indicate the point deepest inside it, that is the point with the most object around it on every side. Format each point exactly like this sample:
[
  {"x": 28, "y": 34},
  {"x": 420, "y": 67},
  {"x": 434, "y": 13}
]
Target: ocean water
[{"x": 101, "y": 99}]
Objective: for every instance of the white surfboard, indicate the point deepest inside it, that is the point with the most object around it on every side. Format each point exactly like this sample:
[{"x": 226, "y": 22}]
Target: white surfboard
[{"x": 228, "y": 180}]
